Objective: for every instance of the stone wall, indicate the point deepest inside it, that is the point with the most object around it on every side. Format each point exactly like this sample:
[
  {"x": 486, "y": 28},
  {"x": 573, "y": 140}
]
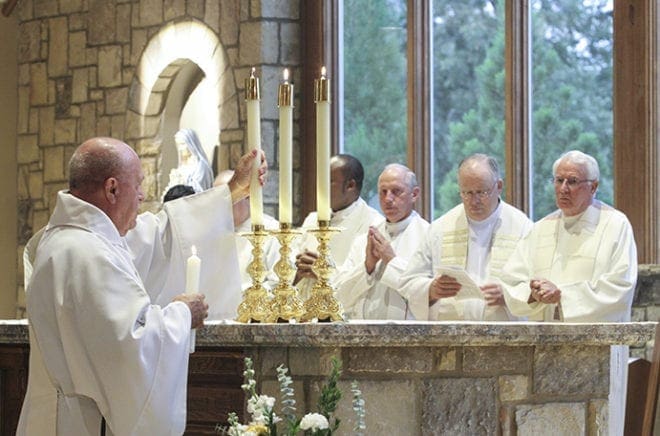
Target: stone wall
[
  {"x": 103, "y": 68},
  {"x": 454, "y": 390},
  {"x": 646, "y": 305}
]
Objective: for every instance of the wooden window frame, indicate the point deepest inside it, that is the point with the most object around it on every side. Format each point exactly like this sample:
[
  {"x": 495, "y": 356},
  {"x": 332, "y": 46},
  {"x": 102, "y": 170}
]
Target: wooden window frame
[{"x": 635, "y": 99}]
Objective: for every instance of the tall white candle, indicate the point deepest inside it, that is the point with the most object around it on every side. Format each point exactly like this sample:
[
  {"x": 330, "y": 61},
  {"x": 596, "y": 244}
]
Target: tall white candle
[
  {"x": 252, "y": 101},
  {"x": 285, "y": 102},
  {"x": 193, "y": 270},
  {"x": 322, "y": 99}
]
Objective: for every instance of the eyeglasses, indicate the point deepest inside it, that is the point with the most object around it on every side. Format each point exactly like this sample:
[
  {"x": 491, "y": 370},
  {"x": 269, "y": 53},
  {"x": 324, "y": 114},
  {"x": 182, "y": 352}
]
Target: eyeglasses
[
  {"x": 481, "y": 195},
  {"x": 572, "y": 182}
]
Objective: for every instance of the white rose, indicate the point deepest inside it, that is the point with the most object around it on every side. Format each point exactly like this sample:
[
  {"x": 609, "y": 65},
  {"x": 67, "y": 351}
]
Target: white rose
[{"x": 314, "y": 421}]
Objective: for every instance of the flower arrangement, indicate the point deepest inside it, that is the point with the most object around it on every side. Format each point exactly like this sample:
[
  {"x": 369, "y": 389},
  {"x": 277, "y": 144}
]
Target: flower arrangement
[{"x": 265, "y": 422}]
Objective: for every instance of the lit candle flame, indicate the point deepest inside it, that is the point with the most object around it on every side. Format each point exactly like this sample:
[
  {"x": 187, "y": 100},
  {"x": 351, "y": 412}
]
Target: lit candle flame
[
  {"x": 193, "y": 249},
  {"x": 253, "y": 71},
  {"x": 286, "y": 75},
  {"x": 323, "y": 71}
]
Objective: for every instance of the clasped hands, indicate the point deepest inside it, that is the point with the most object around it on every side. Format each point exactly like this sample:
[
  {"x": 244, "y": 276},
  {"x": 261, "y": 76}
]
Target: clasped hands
[
  {"x": 378, "y": 248},
  {"x": 199, "y": 309},
  {"x": 304, "y": 265},
  {"x": 445, "y": 286},
  {"x": 544, "y": 291}
]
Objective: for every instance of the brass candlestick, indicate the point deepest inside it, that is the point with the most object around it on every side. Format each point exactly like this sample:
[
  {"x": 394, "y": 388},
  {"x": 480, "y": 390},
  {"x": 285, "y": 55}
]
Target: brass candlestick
[
  {"x": 322, "y": 303},
  {"x": 285, "y": 305},
  {"x": 255, "y": 306}
]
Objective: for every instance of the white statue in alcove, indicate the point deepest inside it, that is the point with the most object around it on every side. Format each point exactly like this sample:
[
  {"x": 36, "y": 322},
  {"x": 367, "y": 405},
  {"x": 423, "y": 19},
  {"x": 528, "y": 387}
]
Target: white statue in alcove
[{"x": 193, "y": 169}]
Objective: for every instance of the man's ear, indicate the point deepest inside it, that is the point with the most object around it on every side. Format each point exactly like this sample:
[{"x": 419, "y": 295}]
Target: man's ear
[
  {"x": 351, "y": 184},
  {"x": 415, "y": 193},
  {"x": 110, "y": 187}
]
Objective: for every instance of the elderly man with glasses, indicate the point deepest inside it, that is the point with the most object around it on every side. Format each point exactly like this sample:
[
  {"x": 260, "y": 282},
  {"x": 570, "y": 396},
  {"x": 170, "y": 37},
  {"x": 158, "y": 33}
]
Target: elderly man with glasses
[
  {"x": 452, "y": 274},
  {"x": 578, "y": 264}
]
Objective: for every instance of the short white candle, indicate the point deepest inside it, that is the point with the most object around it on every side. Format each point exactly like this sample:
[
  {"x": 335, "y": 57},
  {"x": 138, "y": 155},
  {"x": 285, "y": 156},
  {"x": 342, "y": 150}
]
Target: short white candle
[
  {"x": 322, "y": 99},
  {"x": 254, "y": 142},
  {"x": 285, "y": 100},
  {"x": 193, "y": 270}
]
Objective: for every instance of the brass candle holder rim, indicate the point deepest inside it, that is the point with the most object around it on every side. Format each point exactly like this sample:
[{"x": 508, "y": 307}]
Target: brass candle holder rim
[
  {"x": 257, "y": 229},
  {"x": 323, "y": 226},
  {"x": 286, "y": 229}
]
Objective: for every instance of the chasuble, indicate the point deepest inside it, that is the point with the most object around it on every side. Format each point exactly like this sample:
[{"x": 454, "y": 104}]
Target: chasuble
[{"x": 107, "y": 349}]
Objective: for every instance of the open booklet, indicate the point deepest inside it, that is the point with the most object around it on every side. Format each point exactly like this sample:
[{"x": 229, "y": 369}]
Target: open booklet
[{"x": 469, "y": 288}]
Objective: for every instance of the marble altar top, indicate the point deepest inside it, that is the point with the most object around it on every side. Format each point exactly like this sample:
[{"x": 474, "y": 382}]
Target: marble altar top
[{"x": 398, "y": 333}]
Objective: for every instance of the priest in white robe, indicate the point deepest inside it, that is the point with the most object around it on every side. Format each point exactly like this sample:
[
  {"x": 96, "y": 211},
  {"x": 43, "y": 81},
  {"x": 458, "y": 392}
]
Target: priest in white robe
[
  {"x": 474, "y": 239},
  {"x": 243, "y": 224},
  {"x": 368, "y": 285},
  {"x": 350, "y": 214},
  {"x": 578, "y": 264},
  {"x": 115, "y": 360}
]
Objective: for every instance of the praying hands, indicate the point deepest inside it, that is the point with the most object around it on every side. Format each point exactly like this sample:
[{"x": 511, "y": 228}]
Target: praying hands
[
  {"x": 544, "y": 291},
  {"x": 378, "y": 248}
]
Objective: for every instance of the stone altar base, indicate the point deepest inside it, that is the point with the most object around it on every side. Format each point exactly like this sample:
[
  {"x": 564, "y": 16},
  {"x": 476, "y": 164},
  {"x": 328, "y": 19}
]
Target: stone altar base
[
  {"x": 446, "y": 378},
  {"x": 417, "y": 378}
]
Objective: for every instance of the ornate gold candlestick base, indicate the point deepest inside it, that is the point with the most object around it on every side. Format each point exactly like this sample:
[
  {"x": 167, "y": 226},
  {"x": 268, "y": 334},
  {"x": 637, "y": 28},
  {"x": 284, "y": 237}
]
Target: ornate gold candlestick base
[
  {"x": 322, "y": 303},
  {"x": 255, "y": 306},
  {"x": 285, "y": 305}
]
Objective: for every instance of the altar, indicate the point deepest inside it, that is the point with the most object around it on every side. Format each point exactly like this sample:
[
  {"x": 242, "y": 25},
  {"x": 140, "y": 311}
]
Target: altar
[{"x": 416, "y": 378}]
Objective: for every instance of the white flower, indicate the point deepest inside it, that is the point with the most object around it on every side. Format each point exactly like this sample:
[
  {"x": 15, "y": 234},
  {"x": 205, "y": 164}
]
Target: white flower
[
  {"x": 314, "y": 421},
  {"x": 240, "y": 430}
]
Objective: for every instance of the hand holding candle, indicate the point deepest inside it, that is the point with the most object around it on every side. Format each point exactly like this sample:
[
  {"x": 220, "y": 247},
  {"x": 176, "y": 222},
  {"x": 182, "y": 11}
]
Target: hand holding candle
[
  {"x": 285, "y": 102},
  {"x": 252, "y": 101},
  {"x": 322, "y": 99}
]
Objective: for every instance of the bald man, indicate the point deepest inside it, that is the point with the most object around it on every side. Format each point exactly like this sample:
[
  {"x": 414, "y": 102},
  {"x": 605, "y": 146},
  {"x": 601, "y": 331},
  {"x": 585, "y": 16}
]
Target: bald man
[
  {"x": 117, "y": 362},
  {"x": 243, "y": 224},
  {"x": 368, "y": 285},
  {"x": 475, "y": 238}
]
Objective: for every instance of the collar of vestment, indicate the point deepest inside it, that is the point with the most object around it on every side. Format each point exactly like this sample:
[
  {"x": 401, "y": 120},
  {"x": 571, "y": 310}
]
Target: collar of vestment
[
  {"x": 486, "y": 223},
  {"x": 586, "y": 221},
  {"x": 72, "y": 211},
  {"x": 395, "y": 229},
  {"x": 341, "y": 215}
]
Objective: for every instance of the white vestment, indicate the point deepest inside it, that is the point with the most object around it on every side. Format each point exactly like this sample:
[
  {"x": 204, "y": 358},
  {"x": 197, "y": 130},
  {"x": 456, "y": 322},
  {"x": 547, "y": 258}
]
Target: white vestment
[
  {"x": 89, "y": 312},
  {"x": 446, "y": 244},
  {"x": 161, "y": 243},
  {"x": 592, "y": 259},
  {"x": 271, "y": 253},
  {"x": 376, "y": 295},
  {"x": 351, "y": 222}
]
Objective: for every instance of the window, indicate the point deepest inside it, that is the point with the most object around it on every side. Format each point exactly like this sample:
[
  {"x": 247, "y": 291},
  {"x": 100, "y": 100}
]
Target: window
[
  {"x": 468, "y": 90},
  {"x": 571, "y": 66},
  {"x": 594, "y": 33},
  {"x": 571, "y": 89},
  {"x": 375, "y": 86}
]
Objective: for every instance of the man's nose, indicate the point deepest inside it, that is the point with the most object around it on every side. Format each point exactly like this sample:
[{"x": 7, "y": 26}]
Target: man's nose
[
  {"x": 474, "y": 198},
  {"x": 564, "y": 187}
]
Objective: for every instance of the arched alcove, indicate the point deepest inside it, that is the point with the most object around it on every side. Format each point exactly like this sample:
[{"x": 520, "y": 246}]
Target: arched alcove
[{"x": 177, "y": 60}]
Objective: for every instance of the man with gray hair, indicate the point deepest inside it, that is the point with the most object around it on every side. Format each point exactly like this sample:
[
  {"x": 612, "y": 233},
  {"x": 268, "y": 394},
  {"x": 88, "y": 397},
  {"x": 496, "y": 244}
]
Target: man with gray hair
[
  {"x": 368, "y": 285},
  {"x": 578, "y": 264},
  {"x": 452, "y": 275}
]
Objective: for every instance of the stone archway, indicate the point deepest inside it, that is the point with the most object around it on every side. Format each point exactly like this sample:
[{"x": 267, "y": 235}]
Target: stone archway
[{"x": 166, "y": 54}]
